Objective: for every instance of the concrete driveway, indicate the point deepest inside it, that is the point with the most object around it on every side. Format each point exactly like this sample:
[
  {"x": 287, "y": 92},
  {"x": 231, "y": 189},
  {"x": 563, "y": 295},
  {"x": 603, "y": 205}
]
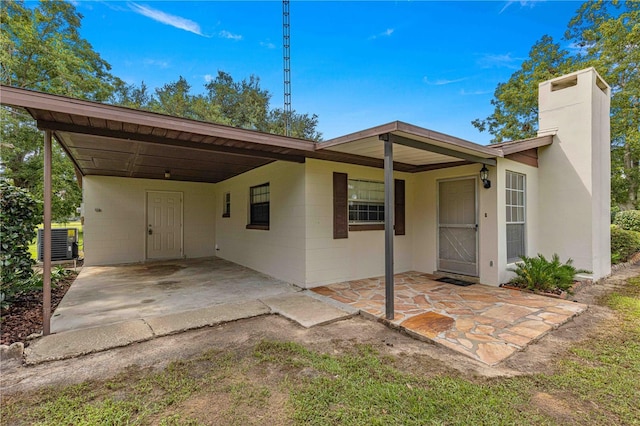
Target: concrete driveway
[{"x": 103, "y": 295}]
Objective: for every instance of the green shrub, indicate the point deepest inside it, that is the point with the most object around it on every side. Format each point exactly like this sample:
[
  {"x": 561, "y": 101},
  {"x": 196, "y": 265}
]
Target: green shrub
[
  {"x": 614, "y": 212},
  {"x": 539, "y": 274},
  {"x": 18, "y": 220},
  {"x": 624, "y": 244},
  {"x": 628, "y": 220}
]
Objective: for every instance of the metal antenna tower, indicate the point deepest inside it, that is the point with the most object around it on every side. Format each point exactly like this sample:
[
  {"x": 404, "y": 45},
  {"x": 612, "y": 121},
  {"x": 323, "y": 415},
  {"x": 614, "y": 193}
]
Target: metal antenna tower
[{"x": 287, "y": 66}]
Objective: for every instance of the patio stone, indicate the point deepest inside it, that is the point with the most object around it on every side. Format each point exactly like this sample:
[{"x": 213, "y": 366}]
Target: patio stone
[
  {"x": 466, "y": 343},
  {"x": 485, "y": 329},
  {"x": 465, "y": 324},
  {"x": 429, "y": 324},
  {"x": 480, "y": 337},
  {"x": 553, "y": 318},
  {"x": 485, "y": 323},
  {"x": 508, "y": 312},
  {"x": 515, "y": 339},
  {"x": 532, "y": 329},
  {"x": 493, "y": 353}
]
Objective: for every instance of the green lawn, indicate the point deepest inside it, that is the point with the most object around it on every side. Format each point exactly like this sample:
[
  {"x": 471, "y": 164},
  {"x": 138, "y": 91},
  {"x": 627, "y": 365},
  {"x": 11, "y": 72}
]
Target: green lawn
[
  {"x": 33, "y": 249},
  {"x": 596, "y": 382}
]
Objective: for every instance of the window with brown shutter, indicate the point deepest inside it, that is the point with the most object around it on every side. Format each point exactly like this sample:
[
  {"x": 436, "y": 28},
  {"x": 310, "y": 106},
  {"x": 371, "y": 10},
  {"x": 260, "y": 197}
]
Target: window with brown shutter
[{"x": 341, "y": 218}]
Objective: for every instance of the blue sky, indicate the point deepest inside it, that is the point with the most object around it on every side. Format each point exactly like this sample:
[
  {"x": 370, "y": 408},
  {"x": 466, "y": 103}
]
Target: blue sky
[{"x": 354, "y": 64}]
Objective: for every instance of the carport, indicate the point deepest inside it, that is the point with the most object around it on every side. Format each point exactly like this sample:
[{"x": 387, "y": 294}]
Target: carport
[{"x": 106, "y": 140}]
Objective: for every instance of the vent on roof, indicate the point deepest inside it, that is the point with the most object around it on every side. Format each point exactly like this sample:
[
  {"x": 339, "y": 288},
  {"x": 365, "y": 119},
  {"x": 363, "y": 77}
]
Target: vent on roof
[
  {"x": 64, "y": 244},
  {"x": 601, "y": 84},
  {"x": 564, "y": 83}
]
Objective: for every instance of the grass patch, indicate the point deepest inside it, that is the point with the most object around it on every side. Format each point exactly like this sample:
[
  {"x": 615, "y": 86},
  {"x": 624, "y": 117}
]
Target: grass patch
[
  {"x": 275, "y": 383},
  {"x": 365, "y": 388},
  {"x": 33, "y": 247},
  {"x": 602, "y": 373}
]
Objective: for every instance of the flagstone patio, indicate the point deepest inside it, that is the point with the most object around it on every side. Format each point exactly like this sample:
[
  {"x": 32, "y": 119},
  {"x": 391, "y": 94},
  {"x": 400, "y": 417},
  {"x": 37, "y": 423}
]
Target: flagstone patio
[{"x": 486, "y": 323}]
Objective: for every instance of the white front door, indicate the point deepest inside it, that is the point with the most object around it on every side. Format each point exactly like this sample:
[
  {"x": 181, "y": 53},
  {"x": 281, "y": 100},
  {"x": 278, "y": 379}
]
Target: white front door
[
  {"x": 457, "y": 227},
  {"x": 164, "y": 225}
]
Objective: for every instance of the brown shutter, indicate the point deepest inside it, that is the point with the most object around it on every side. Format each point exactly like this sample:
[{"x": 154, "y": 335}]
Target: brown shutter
[
  {"x": 340, "y": 219},
  {"x": 399, "y": 207}
]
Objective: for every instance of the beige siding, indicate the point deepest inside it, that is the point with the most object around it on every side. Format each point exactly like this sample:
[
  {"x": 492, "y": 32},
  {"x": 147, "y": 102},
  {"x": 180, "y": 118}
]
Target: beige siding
[
  {"x": 115, "y": 218},
  {"x": 575, "y": 171},
  {"x": 279, "y": 251},
  {"x": 361, "y": 255}
]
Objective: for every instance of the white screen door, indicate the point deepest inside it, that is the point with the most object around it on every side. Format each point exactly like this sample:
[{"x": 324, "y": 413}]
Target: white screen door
[
  {"x": 164, "y": 225},
  {"x": 457, "y": 227}
]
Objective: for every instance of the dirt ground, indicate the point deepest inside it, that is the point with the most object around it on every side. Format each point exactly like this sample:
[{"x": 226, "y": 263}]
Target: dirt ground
[
  {"x": 24, "y": 316},
  {"x": 241, "y": 337}
]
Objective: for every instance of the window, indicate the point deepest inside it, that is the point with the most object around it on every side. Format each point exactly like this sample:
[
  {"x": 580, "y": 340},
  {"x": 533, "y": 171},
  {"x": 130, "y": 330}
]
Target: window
[
  {"x": 516, "y": 217},
  {"x": 366, "y": 202},
  {"x": 226, "y": 207},
  {"x": 358, "y": 205},
  {"x": 259, "y": 207}
]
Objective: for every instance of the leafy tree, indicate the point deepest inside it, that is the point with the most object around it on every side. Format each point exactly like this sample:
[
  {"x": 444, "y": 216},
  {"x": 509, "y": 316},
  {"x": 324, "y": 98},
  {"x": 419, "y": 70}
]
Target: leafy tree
[
  {"x": 516, "y": 102},
  {"x": 18, "y": 220},
  {"x": 42, "y": 50},
  {"x": 606, "y": 35},
  {"x": 174, "y": 99},
  {"x": 130, "y": 96},
  {"x": 303, "y": 126},
  {"x": 241, "y": 103},
  {"x": 225, "y": 101}
]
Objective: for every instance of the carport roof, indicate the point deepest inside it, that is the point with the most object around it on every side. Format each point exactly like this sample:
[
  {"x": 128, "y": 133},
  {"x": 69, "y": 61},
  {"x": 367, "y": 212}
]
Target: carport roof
[{"x": 117, "y": 141}]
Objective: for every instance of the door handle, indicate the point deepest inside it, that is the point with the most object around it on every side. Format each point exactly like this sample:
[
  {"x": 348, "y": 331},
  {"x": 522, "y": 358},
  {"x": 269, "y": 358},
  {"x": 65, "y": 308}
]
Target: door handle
[{"x": 150, "y": 231}]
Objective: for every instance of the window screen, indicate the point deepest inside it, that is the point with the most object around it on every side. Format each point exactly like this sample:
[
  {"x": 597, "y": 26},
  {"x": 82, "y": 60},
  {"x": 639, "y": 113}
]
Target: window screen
[
  {"x": 259, "y": 204},
  {"x": 366, "y": 201}
]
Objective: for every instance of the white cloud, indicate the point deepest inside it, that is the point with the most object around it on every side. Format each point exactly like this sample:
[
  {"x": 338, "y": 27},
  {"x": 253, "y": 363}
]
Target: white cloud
[
  {"x": 167, "y": 19},
  {"x": 230, "y": 36},
  {"x": 442, "y": 82},
  {"x": 267, "y": 44},
  {"x": 523, "y": 3},
  {"x": 499, "y": 61},
  {"x": 385, "y": 33},
  {"x": 156, "y": 62},
  {"x": 208, "y": 78}
]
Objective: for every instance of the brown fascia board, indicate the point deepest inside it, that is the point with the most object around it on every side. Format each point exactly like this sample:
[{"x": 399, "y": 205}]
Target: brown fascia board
[
  {"x": 362, "y": 134},
  {"x": 451, "y": 142},
  {"x": 446, "y": 141},
  {"x": 512, "y": 147},
  {"x": 32, "y": 100}
]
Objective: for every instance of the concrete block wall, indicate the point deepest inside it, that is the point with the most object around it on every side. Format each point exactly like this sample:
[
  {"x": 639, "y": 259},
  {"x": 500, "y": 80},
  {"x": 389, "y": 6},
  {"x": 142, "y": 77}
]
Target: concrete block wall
[
  {"x": 575, "y": 171},
  {"x": 115, "y": 223}
]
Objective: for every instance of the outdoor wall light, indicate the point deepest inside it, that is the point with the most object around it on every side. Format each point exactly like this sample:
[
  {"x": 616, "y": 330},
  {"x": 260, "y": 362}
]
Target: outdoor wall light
[
  {"x": 167, "y": 174},
  {"x": 484, "y": 176}
]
